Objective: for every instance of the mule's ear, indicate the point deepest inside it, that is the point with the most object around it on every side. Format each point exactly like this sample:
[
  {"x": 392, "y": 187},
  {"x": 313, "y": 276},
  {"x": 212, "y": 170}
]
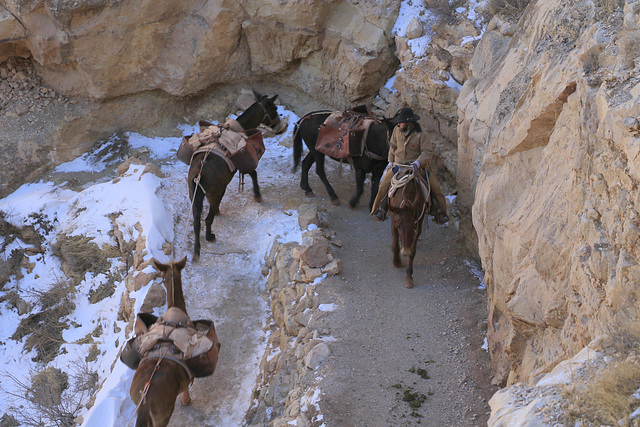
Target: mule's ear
[
  {"x": 159, "y": 266},
  {"x": 182, "y": 263},
  {"x": 273, "y": 98},
  {"x": 256, "y": 94}
]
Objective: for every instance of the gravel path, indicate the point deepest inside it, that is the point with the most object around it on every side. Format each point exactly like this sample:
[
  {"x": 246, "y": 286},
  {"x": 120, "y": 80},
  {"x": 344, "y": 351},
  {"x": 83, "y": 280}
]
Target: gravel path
[{"x": 396, "y": 346}]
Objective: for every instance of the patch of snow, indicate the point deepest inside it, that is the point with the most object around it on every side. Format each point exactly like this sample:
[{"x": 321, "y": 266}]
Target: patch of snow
[{"x": 327, "y": 307}]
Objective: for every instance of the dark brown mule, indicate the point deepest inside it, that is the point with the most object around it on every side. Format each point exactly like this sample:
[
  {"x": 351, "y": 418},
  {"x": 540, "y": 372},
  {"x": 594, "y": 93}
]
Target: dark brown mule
[
  {"x": 373, "y": 161},
  {"x": 407, "y": 207},
  {"x": 163, "y": 378},
  {"x": 215, "y": 175}
]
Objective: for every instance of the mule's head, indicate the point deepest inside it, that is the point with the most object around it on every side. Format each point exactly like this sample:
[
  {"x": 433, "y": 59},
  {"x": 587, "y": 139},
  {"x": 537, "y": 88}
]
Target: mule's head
[
  {"x": 172, "y": 279},
  {"x": 271, "y": 118}
]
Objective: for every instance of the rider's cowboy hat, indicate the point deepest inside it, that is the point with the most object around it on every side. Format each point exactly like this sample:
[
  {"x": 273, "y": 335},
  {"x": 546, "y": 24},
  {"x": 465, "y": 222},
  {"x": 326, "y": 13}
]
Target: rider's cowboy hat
[{"x": 405, "y": 115}]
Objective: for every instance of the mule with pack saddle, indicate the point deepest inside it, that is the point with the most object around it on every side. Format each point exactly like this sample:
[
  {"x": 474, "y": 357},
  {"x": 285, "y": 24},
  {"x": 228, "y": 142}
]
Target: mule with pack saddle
[
  {"x": 217, "y": 152},
  {"x": 167, "y": 353},
  {"x": 408, "y": 203},
  {"x": 354, "y": 136}
]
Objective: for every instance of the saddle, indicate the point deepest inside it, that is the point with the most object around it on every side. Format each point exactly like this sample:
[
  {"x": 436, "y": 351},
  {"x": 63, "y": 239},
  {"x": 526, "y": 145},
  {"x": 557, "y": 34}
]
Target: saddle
[
  {"x": 241, "y": 149},
  {"x": 193, "y": 344},
  {"x": 404, "y": 174},
  {"x": 343, "y": 134}
]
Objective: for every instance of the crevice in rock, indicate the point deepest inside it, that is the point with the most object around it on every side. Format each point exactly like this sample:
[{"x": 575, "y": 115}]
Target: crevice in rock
[{"x": 542, "y": 126}]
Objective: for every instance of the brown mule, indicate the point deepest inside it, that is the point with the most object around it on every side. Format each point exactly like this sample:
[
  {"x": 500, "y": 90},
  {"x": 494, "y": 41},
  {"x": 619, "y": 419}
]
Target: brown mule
[
  {"x": 209, "y": 175},
  {"x": 161, "y": 378},
  {"x": 407, "y": 208}
]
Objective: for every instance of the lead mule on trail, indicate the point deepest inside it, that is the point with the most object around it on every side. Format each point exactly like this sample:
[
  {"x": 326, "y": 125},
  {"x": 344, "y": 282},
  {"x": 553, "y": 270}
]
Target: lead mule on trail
[
  {"x": 408, "y": 205},
  {"x": 167, "y": 353}
]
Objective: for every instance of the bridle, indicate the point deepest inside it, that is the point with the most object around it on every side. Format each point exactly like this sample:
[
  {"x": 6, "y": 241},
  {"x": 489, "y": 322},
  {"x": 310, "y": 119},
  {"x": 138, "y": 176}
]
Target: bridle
[{"x": 272, "y": 121}]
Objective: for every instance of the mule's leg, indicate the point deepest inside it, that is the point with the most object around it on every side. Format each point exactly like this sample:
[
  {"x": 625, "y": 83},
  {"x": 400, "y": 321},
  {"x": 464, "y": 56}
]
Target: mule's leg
[
  {"x": 323, "y": 177},
  {"x": 395, "y": 247},
  {"x": 214, "y": 209},
  {"x": 198, "y": 201},
  {"x": 408, "y": 281},
  {"x": 307, "y": 162},
  {"x": 256, "y": 188},
  {"x": 360, "y": 177}
]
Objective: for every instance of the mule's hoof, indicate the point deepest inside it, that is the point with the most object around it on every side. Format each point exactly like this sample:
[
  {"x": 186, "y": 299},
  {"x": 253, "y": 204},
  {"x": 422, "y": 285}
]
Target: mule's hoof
[
  {"x": 257, "y": 199},
  {"x": 310, "y": 194},
  {"x": 397, "y": 263},
  {"x": 335, "y": 202},
  {"x": 211, "y": 238},
  {"x": 408, "y": 283},
  {"x": 353, "y": 204},
  {"x": 185, "y": 399}
]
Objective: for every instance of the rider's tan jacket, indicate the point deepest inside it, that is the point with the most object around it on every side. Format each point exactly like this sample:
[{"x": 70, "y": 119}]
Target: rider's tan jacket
[{"x": 407, "y": 149}]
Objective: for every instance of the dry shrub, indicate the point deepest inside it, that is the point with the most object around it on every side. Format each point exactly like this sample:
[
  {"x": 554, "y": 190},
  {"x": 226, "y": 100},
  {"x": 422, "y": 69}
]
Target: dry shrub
[
  {"x": 44, "y": 329},
  {"x": 83, "y": 255},
  {"x": 105, "y": 290},
  {"x": 610, "y": 5},
  {"x": 602, "y": 396},
  {"x": 49, "y": 398},
  {"x": 9, "y": 420},
  {"x": 12, "y": 265},
  {"x": 445, "y": 11}
]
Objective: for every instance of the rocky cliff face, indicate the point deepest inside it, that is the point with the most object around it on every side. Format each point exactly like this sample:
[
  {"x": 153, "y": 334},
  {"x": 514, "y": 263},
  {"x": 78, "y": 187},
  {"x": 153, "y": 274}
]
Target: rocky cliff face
[
  {"x": 548, "y": 155},
  {"x": 101, "y": 49}
]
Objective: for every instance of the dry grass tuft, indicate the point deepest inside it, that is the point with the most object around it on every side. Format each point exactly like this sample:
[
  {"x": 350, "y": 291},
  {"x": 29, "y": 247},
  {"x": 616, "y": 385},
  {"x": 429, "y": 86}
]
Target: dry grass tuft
[
  {"x": 82, "y": 254},
  {"x": 512, "y": 9},
  {"x": 103, "y": 291},
  {"x": 604, "y": 396},
  {"x": 44, "y": 329},
  {"x": 604, "y": 399}
]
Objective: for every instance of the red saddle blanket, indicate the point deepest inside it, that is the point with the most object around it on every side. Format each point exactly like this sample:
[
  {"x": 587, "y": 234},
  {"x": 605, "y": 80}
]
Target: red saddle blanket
[{"x": 343, "y": 135}]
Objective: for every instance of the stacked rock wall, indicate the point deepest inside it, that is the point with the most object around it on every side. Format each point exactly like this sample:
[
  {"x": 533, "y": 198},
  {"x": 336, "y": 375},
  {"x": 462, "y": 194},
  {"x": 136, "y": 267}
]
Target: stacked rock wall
[{"x": 287, "y": 384}]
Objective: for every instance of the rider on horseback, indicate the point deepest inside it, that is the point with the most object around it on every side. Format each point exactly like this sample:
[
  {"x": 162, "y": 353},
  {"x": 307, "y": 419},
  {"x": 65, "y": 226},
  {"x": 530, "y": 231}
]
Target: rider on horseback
[{"x": 409, "y": 145}]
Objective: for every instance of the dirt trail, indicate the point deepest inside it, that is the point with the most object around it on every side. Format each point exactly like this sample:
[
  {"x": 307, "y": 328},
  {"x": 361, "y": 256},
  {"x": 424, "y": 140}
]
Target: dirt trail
[{"x": 394, "y": 343}]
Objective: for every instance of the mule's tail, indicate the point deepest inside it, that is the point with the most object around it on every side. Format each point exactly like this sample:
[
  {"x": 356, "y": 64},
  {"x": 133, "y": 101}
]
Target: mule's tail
[
  {"x": 143, "y": 415},
  {"x": 297, "y": 145}
]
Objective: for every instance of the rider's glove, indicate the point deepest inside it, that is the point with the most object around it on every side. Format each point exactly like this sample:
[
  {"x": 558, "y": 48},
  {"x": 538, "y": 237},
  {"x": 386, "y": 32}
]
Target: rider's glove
[{"x": 415, "y": 165}]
